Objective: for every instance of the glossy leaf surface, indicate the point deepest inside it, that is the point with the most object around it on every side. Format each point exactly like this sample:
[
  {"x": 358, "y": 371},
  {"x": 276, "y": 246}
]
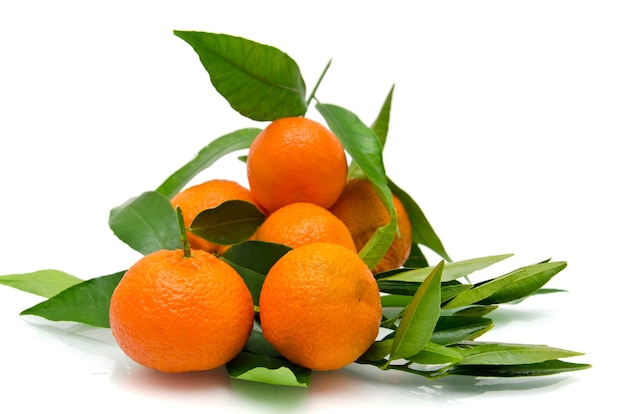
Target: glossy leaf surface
[
  {"x": 433, "y": 354},
  {"x": 231, "y": 222},
  {"x": 420, "y": 318},
  {"x": 529, "y": 281},
  {"x": 146, "y": 223},
  {"x": 495, "y": 353},
  {"x": 87, "y": 302},
  {"x": 258, "y": 81},
  {"x": 452, "y": 271},
  {"x": 513, "y": 285},
  {"x": 452, "y": 329}
]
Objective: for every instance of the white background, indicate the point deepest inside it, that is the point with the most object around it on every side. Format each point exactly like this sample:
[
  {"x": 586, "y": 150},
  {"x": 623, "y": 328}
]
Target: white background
[{"x": 506, "y": 128}]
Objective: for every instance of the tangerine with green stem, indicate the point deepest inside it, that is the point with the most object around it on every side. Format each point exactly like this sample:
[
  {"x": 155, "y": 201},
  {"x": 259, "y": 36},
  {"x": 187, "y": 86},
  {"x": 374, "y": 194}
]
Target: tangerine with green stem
[{"x": 181, "y": 310}]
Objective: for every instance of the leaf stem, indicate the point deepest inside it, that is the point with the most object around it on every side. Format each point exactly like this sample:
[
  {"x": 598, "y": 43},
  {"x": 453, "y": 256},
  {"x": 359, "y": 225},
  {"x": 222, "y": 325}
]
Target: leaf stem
[
  {"x": 183, "y": 233},
  {"x": 319, "y": 81}
]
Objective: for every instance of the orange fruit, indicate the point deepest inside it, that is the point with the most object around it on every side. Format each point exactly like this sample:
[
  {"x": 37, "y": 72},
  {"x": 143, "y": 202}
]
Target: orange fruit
[
  {"x": 320, "y": 306},
  {"x": 176, "y": 314},
  {"x": 204, "y": 196},
  {"x": 362, "y": 211},
  {"x": 296, "y": 159},
  {"x": 301, "y": 223}
]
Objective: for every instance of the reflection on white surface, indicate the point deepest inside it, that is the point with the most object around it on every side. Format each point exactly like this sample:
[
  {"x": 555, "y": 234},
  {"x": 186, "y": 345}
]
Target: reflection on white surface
[{"x": 91, "y": 366}]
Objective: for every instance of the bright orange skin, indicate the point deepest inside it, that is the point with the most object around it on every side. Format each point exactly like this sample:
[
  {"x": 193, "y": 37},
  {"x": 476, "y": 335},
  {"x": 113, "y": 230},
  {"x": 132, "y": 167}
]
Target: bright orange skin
[
  {"x": 296, "y": 159},
  {"x": 301, "y": 223},
  {"x": 320, "y": 306},
  {"x": 178, "y": 314},
  {"x": 363, "y": 212},
  {"x": 204, "y": 196}
]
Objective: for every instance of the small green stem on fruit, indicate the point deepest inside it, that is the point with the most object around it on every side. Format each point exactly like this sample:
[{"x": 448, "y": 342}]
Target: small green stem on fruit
[
  {"x": 319, "y": 81},
  {"x": 183, "y": 233}
]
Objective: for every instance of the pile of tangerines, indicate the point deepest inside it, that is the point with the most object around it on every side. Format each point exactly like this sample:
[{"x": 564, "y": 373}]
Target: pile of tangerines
[{"x": 319, "y": 306}]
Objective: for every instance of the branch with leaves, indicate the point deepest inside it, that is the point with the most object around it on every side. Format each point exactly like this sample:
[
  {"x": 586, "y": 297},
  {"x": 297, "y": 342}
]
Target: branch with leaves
[{"x": 433, "y": 315}]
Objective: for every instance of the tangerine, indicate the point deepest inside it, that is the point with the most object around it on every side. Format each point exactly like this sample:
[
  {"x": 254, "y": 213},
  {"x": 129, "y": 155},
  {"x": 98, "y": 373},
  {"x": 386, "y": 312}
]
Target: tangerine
[
  {"x": 175, "y": 313},
  {"x": 296, "y": 159},
  {"x": 320, "y": 306},
  {"x": 301, "y": 223}
]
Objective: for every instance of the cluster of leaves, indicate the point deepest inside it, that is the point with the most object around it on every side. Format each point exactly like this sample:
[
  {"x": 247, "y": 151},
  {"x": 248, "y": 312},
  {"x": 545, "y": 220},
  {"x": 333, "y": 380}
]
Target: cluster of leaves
[{"x": 432, "y": 318}]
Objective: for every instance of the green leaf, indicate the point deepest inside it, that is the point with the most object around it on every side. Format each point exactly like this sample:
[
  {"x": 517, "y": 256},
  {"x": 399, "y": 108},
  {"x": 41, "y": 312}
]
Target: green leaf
[
  {"x": 434, "y": 354},
  {"x": 498, "y": 353},
  {"x": 518, "y": 370},
  {"x": 517, "y": 283},
  {"x": 253, "y": 280},
  {"x": 365, "y": 149},
  {"x": 146, "y": 223},
  {"x": 476, "y": 311},
  {"x": 381, "y": 123},
  {"x": 423, "y": 232},
  {"x": 252, "y": 260},
  {"x": 450, "y": 290},
  {"x": 420, "y": 318},
  {"x": 231, "y": 222},
  {"x": 256, "y": 255},
  {"x": 398, "y": 287},
  {"x": 452, "y": 271},
  {"x": 361, "y": 143},
  {"x": 380, "y": 127},
  {"x": 269, "y": 370},
  {"x": 528, "y": 282},
  {"x": 453, "y": 329},
  {"x": 87, "y": 302},
  {"x": 216, "y": 149},
  {"x": 46, "y": 283},
  {"x": 258, "y": 81},
  {"x": 408, "y": 289},
  {"x": 523, "y": 370}
]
